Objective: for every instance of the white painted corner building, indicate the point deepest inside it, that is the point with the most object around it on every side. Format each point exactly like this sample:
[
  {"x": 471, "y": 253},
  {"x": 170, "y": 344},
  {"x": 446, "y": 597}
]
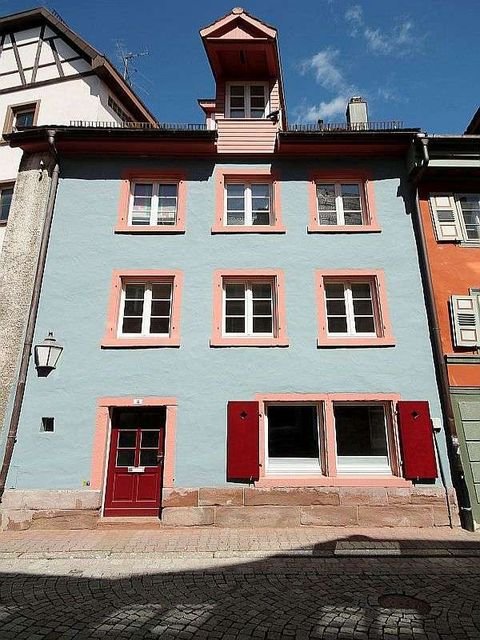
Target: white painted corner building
[{"x": 51, "y": 76}]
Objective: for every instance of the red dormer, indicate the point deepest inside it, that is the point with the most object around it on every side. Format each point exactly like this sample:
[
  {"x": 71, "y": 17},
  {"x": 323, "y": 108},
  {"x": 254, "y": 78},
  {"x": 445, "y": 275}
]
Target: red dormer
[{"x": 249, "y": 106}]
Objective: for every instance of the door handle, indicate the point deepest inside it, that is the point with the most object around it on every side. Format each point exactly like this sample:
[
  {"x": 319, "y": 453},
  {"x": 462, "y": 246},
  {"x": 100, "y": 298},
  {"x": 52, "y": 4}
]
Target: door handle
[{"x": 160, "y": 458}]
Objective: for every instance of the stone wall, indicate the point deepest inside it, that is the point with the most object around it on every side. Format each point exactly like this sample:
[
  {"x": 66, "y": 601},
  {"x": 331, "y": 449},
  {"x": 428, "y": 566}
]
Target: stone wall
[
  {"x": 18, "y": 263},
  {"x": 241, "y": 507}
]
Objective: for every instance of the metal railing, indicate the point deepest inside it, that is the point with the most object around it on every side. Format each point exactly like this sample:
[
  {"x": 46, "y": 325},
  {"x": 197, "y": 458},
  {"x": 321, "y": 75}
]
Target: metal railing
[
  {"x": 164, "y": 126},
  {"x": 385, "y": 125}
]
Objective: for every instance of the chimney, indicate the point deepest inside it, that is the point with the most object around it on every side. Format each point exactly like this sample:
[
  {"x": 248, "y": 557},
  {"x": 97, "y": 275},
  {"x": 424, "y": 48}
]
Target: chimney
[{"x": 357, "y": 113}]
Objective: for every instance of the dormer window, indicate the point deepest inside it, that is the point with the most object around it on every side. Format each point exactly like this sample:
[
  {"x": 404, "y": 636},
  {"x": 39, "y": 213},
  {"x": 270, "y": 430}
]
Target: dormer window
[{"x": 247, "y": 100}]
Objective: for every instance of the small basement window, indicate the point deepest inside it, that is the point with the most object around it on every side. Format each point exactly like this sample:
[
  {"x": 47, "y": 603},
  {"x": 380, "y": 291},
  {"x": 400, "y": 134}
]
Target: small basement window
[
  {"x": 48, "y": 425},
  {"x": 293, "y": 439}
]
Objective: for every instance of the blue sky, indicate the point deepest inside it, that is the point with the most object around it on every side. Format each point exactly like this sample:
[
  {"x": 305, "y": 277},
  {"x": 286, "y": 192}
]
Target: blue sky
[{"x": 415, "y": 61}]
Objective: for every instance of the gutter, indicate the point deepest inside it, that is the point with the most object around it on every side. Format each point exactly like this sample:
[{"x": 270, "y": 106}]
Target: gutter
[
  {"x": 31, "y": 321},
  {"x": 98, "y": 134},
  {"x": 458, "y": 474}
]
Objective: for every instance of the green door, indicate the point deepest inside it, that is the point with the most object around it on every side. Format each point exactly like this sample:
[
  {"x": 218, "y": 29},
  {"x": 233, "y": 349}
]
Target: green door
[{"x": 466, "y": 408}]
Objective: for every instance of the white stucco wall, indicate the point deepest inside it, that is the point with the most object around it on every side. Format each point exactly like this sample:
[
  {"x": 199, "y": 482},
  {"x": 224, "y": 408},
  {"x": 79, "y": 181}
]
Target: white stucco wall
[{"x": 76, "y": 99}]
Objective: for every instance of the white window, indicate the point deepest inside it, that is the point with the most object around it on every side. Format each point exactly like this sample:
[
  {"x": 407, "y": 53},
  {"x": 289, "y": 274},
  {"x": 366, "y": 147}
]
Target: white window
[
  {"x": 465, "y": 313},
  {"x": 340, "y": 203},
  {"x": 247, "y": 204},
  {"x": 146, "y": 309},
  {"x": 350, "y": 308},
  {"x": 153, "y": 203},
  {"x": 248, "y": 308},
  {"x": 456, "y": 216},
  {"x": 361, "y": 438},
  {"x": 294, "y": 439},
  {"x": 247, "y": 100}
]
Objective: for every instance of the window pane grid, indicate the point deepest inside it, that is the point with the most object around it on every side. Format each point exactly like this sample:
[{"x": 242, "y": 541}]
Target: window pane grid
[
  {"x": 247, "y": 101},
  {"x": 126, "y": 448},
  {"x": 154, "y": 204},
  {"x": 326, "y": 204},
  {"x": 339, "y": 204},
  {"x": 146, "y": 309},
  {"x": 248, "y": 309},
  {"x": 248, "y": 204},
  {"x": 236, "y": 210},
  {"x": 237, "y": 101},
  {"x": 142, "y": 204},
  {"x": 350, "y": 309},
  {"x": 351, "y": 203},
  {"x": 469, "y": 206},
  {"x": 133, "y": 308},
  {"x": 160, "y": 309}
]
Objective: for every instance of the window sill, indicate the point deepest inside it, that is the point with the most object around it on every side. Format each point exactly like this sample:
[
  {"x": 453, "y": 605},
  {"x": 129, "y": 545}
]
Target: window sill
[
  {"x": 128, "y": 343},
  {"x": 147, "y": 229},
  {"x": 264, "y": 119},
  {"x": 386, "y": 341},
  {"x": 332, "y": 481},
  {"x": 253, "y": 229},
  {"x": 248, "y": 342},
  {"x": 472, "y": 244},
  {"x": 343, "y": 228}
]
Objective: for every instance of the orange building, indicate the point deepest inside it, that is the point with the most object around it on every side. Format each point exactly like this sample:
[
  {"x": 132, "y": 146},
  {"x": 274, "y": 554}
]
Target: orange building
[{"x": 446, "y": 171}]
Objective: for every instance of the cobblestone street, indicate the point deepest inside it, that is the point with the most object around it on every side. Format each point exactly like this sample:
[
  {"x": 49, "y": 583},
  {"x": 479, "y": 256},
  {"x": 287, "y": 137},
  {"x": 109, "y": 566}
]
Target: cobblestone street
[{"x": 134, "y": 595}]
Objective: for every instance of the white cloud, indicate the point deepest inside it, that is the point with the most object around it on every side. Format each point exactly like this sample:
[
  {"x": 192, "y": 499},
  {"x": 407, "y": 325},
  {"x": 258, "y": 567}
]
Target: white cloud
[
  {"x": 354, "y": 16},
  {"x": 400, "y": 40},
  {"x": 311, "y": 113},
  {"x": 325, "y": 67},
  {"x": 390, "y": 94},
  {"x": 376, "y": 41},
  {"x": 327, "y": 72}
]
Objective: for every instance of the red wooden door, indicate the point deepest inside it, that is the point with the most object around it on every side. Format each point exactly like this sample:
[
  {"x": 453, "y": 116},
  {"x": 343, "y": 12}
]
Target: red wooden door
[{"x": 135, "y": 466}]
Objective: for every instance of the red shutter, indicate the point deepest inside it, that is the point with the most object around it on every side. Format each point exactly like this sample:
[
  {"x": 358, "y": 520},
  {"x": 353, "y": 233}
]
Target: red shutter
[
  {"x": 416, "y": 440},
  {"x": 242, "y": 441}
]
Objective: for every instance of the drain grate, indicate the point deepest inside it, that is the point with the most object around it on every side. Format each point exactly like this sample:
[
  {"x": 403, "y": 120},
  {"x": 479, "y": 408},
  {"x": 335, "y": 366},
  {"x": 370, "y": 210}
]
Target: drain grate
[{"x": 404, "y": 603}]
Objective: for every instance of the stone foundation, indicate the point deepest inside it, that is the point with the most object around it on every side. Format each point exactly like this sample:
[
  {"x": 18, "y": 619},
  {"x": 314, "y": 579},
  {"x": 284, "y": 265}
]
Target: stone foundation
[
  {"x": 238, "y": 507},
  {"x": 55, "y": 509}
]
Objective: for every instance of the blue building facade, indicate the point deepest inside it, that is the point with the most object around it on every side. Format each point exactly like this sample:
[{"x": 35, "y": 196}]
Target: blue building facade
[{"x": 286, "y": 278}]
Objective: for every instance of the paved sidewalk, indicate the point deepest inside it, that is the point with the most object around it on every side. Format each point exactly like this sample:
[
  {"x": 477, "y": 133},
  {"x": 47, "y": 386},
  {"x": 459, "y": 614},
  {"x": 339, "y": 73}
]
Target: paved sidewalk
[
  {"x": 144, "y": 598},
  {"x": 210, "y": 542},
  {"x": 240, "y": 584}
]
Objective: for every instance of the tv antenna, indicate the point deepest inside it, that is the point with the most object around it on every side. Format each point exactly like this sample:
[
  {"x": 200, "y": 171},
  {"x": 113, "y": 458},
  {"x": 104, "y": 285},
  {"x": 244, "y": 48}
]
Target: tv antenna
[{"x": 127, "y": 57}]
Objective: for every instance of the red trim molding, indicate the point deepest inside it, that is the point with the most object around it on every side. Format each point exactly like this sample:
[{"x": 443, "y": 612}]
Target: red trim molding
[
  {"x": 101, "y": 435},
  {"x": 226, "y": 174},
  {"x": 376, "y": 277},
  {"x": 111, "y": 337},
  {"x": 367, "y": 197},
  {"x": 129, "y": 177},
  {"x": 280, "y": 338}
]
